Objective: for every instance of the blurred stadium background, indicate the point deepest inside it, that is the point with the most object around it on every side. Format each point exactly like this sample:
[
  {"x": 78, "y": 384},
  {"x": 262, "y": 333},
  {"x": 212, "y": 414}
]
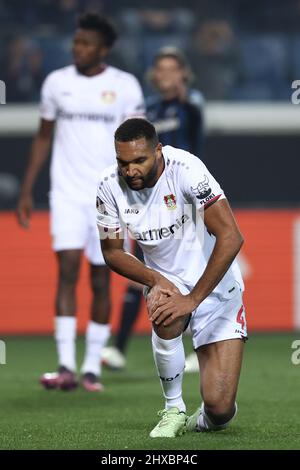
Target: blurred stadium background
[{"x": 245, "y": 56}]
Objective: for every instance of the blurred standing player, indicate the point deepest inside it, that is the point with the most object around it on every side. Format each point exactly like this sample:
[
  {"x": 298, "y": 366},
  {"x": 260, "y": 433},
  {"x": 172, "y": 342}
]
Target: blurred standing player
[
  {"x": 177, "y": 110},
  {"x": 83, "y": 104},
  {"x": 169, "y": 202},
  {"x": 177, "y": 114}
]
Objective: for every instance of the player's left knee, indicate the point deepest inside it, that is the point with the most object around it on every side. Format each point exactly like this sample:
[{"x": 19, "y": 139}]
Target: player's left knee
[
  {"x": 221, "y": 411},
  {"x": 168, "y": 332}
]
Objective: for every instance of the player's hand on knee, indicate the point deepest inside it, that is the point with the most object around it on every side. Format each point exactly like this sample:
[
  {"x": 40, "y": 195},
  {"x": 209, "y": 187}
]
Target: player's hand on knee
[
  {"x": 153, "y": 297},
  {"x": 156, "y": 292},
  {"x": 171, "y": 306}
]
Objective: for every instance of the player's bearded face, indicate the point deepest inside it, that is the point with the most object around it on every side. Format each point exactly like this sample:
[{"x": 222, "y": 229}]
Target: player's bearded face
[
  {"x": 139, "y": 163},
  {"x": 148, "y": 179}
]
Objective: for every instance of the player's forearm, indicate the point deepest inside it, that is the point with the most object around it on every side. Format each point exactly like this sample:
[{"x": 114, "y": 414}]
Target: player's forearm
[
  {"x": 223, "y": 254},
  {"x": 130, "y": 267},
  {"x": 38, "y": 155}
]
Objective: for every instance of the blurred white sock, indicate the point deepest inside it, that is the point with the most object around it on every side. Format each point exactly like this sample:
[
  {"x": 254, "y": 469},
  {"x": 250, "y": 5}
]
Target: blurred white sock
[
  {"x": 96, "y": 338},
  {"x": 65, "y": 336}
]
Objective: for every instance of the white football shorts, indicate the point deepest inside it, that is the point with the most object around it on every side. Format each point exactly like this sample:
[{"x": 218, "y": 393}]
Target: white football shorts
[
  {"x": 216, "y": 319},
  {"x": 219, "y": 319},
  {"x": 73, "y": 226}
]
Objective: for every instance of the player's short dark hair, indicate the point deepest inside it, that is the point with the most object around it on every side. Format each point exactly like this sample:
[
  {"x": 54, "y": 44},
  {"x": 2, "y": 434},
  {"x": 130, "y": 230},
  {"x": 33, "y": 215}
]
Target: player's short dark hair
[
  {"x": 136, "y": 128},
  {"x": 96, "y": 22}
]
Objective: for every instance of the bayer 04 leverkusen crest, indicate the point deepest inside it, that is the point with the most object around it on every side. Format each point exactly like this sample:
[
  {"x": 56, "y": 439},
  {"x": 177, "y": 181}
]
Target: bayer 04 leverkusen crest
[{"x": 170, "y": 201}]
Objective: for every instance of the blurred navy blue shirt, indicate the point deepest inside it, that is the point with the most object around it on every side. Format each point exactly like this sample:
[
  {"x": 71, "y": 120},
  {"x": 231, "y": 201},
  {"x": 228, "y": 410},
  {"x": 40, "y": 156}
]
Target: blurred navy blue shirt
[{"x": 179, "y": 123}]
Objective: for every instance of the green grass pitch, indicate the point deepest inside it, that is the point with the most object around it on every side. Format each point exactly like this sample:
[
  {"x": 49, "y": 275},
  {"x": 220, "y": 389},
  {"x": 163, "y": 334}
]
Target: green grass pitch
[{"x": 122, "y": 416}]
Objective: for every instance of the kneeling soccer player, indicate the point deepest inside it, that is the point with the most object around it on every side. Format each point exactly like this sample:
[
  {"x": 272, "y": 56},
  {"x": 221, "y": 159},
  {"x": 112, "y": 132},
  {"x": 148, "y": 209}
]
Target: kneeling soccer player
[{"x": 170, "y": 203}]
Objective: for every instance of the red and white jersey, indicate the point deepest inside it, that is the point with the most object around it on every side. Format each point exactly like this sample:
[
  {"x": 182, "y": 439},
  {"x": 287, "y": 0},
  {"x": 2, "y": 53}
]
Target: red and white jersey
[
  {"x": 168, "y": 220},
  {"x": 87, "y": 111}
]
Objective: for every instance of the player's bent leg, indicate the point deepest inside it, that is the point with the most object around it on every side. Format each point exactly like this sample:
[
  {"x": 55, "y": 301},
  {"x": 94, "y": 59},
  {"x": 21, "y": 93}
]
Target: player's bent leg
[
  {"x": 169, "y": 358},
  {"x": 220, "y": 365},
  {"x": 200, "y": 422},
  {"x": 176, "y": 328}
]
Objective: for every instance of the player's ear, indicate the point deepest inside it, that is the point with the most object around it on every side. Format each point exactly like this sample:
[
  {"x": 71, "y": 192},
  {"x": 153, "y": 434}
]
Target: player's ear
[{"x": 158, "y": 151}]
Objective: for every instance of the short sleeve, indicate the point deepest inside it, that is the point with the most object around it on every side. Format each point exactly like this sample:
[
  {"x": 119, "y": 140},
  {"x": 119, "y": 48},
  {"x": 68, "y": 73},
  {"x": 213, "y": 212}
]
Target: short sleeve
[
  {"x": 48, "y": 105},
  {"x": 106, "y": 211},
  {"x": 199, "y": 186},
  {"x": 134, "y": 105}
]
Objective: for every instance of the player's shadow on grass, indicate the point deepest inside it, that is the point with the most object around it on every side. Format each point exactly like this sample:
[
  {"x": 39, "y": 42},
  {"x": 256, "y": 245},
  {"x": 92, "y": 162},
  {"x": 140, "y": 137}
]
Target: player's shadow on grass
[{"x": 55, "y": 399}]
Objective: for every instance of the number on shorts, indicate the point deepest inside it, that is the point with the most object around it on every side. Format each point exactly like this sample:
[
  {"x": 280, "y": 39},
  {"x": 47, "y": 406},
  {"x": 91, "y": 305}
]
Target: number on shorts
[{"x": 240, "y": 317}]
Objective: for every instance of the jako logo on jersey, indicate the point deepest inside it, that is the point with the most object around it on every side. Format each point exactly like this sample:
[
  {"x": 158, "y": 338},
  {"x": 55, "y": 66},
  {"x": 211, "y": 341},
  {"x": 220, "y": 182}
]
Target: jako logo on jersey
[
  {"x": 202, "y": 190},
  {"x": 163, "y": 232},
  {"x": 108, "y": 96},
  {"x": 131, "y": 211},
  {"x": 170, "y": 201}
]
